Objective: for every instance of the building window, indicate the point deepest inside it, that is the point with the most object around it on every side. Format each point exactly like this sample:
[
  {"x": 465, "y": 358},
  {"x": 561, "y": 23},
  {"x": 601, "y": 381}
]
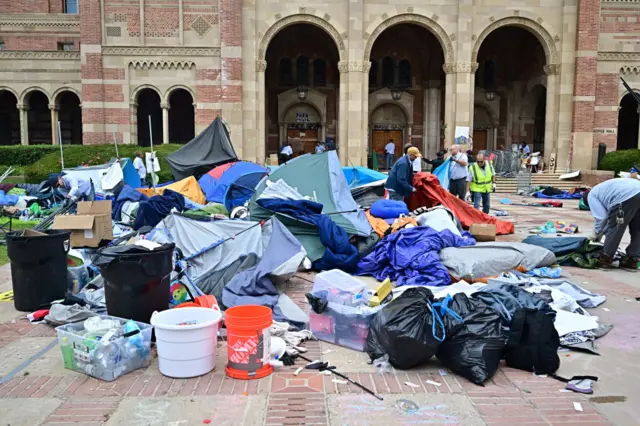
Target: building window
[
  {"x": 66, "y": 46},
  {"x": 71, "y": 6},
  {"x": 388, "y": 68},
  {"x": 3, "y": 46},
  {"x": 302, "y": 71},
  {"x": 373, "y": 74},
  {"x": 319, "y": 73},
  {"x": 404, "y": 73},
  {"x": 286, "y": 77}
]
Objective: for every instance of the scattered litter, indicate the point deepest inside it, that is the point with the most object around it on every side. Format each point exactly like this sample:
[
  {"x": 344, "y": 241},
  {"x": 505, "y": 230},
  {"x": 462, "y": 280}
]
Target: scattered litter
[
  {"x": 340, "y": 382},
  {"x": 577, "y": 406},
  {"x": 245, "y": 393},
  {"x": 298, "y": 370},
  {"x": 407, "y": 405},
  {"x": 412, "y": 385},
  {"x": 206, "y": 421},
  {"x": 539, "y": 375},
  {"x": 526, "y": 390},
  {"x": 443, "y": 373},
  {"x": 328, "y": 351},
  {"x": 606, "y": 309},
  {"x": 564, "y": 390},
  {"x": 327, "y": 373},
  {"x": 628, "y": 300},
  {"x": 431, "y": 382}
]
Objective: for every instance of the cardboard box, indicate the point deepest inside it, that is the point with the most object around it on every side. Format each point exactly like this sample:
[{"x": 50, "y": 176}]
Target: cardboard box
[
  {"x": 483, "y": 232},
  {"x": 90, "y": 226}
]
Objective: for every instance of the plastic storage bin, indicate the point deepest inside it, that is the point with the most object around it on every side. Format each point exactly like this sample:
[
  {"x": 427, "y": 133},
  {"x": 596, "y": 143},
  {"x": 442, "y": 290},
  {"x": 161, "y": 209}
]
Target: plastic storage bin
[
  {"x": 343, "y": 325},
  {"x": 86, "y": 353},
  {"x": 340, "y": 288}
]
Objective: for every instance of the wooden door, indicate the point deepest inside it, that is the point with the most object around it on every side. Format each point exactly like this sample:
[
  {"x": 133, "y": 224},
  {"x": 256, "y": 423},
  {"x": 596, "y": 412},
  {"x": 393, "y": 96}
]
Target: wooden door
[
  {"x": 302, "y": 141},
  {"x": 380, "y": 138},
  {"x": 480, "y": 140}
]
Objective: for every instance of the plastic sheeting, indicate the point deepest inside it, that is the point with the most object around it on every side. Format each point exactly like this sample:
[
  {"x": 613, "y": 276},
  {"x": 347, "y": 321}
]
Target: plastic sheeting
[
  {"x": 188, "y": 187},
  {"x": 430, "y": 193},
  {"x": 494, "y": 258}
]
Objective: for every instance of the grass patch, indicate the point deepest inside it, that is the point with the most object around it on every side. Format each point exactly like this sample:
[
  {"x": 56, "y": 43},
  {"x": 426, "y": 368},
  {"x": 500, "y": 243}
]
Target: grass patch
[{"x": 17, "y": 225}]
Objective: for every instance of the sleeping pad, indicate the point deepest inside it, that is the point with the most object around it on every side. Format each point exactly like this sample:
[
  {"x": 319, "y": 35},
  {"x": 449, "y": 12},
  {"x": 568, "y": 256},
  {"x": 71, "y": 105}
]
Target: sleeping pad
[{"x": 410, "y": 256}]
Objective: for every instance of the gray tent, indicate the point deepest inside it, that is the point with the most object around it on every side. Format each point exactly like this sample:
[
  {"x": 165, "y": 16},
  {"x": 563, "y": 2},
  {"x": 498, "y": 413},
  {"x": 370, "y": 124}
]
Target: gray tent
[{"x": 209, "y": 149}]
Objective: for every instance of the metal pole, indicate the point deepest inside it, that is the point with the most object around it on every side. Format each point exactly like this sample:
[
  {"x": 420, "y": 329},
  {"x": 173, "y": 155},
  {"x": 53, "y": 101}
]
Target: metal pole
[
  {"x": 60, "y": 143},
  {"x": 115, "y": 143},
  {"x": 153, "y": 174}
]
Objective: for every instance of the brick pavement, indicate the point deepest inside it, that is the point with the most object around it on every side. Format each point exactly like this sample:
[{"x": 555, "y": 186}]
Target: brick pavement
[{"x": 35, "y": 389}]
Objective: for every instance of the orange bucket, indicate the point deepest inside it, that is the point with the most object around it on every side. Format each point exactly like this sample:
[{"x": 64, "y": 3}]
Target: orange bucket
[{"x": 248, "y": 341}]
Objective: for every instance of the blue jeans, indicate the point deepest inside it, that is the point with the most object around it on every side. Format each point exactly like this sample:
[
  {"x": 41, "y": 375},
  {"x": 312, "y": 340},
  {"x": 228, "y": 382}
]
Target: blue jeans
[
  {"x": 389, "y": 160},
  {"x": 486, "y": 201}
]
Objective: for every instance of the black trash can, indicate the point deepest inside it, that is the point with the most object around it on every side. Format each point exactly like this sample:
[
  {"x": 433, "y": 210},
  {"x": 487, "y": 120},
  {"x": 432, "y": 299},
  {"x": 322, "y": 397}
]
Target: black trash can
[
  {"x": 38, "y": 268},
  {"x": 136, "y": 280}
]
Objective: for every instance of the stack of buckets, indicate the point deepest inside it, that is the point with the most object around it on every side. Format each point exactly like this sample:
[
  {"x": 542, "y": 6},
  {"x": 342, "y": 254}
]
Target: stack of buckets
[{"x": 187, "y": 340}]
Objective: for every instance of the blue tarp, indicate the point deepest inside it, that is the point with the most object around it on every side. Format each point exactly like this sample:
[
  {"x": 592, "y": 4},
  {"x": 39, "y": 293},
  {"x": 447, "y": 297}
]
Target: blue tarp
[
  {"x": 564, "y": 196},
  {"x": 559, "y": 246},
  {"x": 358, "y": 176},
  {"x": 339, "y": 253},
  {"x": 156, "y": 208},
  {"x": 8, "y": 200},
  {"x": 127, "y": 193},
  {"x": 442, "y": 173},
  {"x": 410, "y": 256},
  {"x": 234, "y": 186}
]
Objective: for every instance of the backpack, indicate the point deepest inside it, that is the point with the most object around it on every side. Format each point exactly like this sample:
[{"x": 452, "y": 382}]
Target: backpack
[{"x": 533, "y": 342}]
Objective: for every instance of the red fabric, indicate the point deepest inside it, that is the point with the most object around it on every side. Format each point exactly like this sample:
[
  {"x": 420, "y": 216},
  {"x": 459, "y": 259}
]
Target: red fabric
[
  {"x": 218, "y": 171},
  {"x": 429, "y": 193}
]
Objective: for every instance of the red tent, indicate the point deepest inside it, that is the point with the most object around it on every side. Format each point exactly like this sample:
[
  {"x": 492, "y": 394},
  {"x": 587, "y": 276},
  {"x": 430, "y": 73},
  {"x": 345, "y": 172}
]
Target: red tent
[{"x": 429, "y": 193}]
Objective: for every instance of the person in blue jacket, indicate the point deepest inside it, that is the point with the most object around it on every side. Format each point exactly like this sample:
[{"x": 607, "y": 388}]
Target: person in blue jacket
[{"x": 400, "y": 181}]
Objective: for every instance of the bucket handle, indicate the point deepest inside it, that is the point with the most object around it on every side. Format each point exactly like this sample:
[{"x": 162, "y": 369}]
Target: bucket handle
[{"x": 154, "y": 317}]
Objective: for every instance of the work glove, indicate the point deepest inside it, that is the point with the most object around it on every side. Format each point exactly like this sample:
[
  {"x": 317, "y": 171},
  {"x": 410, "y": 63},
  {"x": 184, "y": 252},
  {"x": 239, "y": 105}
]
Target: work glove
[
  {"x": 596, "y": 236},
  {"x": 468, "y": 197},
  {"x": 493, "y": 187}
]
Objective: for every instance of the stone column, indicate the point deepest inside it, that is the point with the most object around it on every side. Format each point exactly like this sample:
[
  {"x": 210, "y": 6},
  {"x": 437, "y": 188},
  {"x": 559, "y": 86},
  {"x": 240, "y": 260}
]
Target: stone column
[
  {"x": 472, "y": 94},
  {"x": 450, "y": 103},
  {"x": 195, "y": 112},
  {"x": 465, "y": 77},
  {"x": 432, "y": 120},
  {"x": 323, "y": 131},
  {"x": 366, "y": 67},
  {"x": 260, "y": 147},
  {"x": 552, "y": 71},
  {"x": 343, "y": 100},
  {"x": 409, "y": 133},
  {"x": 54, "y": 124},
  {"x": 133, "y": 119},
  {"x": 24, "y": 124},
  {"x": 165, "y": 121}
]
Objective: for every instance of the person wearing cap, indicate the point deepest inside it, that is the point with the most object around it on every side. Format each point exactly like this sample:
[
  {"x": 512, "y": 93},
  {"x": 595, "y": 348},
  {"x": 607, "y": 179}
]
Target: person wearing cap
[
  {"x": 400, "y": 181},
  {"x": 615, "y": 205},
  {"x": 80, "y": 189},
  {"x": 417, "y": 163}
]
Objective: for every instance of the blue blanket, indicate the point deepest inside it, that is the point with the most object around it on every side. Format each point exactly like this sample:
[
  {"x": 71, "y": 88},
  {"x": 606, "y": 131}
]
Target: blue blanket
[
  {"x": 563, "y": 196},
  {"x": 8, "y": 200},
  {"x": 127, "y": 193},
  {"x": 339, "y": 253},
  {"x": 156, "y": 208},
  {"x": 410, "y": 256}
]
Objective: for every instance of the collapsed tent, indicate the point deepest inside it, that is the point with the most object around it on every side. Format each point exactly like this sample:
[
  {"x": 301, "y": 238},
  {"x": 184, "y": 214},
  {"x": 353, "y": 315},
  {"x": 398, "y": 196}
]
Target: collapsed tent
[
  {"x": 188, "y": 187},
  {"x": 97, "y": 173},
  {"x": 429, "y": 193},
  {"x": 237, "y": 253},
  {"x": 209, "y": 149},
  {"x": 232, "y": 184},
  {"x": 358, "y": 176}
]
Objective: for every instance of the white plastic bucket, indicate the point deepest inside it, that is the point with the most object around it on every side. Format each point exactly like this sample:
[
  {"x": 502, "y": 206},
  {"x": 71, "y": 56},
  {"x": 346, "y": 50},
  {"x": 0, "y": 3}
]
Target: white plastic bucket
[{"x": 186, "y": 340}]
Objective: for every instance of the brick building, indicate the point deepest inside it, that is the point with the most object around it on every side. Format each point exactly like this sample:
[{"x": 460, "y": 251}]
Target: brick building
[{"x": 357, "y": 73}]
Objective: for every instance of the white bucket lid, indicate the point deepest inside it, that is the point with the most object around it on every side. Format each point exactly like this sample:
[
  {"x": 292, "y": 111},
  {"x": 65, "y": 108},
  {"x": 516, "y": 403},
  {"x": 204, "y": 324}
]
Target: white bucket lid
[{"x": 172, "y": 318}]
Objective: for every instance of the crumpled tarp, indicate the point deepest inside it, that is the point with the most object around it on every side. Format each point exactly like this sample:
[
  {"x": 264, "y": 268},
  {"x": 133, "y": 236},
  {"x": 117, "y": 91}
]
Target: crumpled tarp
[
  {"x": 127, "y": 193},
  {"x": 493, "y": 258},
  {"x": 410, "y": 257},
  {"x": 339, "y": 253},
  {"x": 188, "y": 187},
  {"x": 564, "y": 196},
  {"x": 152, "y": 211},
  {"x": 570, "y": 251},
  {"x": 429, "y": 193}
]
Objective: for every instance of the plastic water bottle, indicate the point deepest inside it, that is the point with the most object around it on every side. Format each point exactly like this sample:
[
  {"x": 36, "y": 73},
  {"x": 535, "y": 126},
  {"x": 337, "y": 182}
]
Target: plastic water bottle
[
  {"x": 67, "y": 353},
  {"x": 95, "y": 370}
]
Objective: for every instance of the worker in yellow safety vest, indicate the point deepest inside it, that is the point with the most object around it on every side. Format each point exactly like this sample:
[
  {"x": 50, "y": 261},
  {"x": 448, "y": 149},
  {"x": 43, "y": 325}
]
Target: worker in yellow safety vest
[{"x": 482, "y": 184}]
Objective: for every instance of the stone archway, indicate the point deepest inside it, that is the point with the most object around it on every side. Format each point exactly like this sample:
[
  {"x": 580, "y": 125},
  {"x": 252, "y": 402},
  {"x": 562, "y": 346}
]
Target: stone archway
[
  {"x": 389, "y": 123},
  {"x": 628, "y": 123},
  {"x": 68, "y": 111},
  {"x": 9, "y": 118}
]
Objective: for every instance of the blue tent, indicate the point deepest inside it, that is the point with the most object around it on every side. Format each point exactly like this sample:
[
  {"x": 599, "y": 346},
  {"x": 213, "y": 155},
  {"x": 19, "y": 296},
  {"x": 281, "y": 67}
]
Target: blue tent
[
  {"x": 232, "y": 184},
  {"x": 358, "y": 176}
]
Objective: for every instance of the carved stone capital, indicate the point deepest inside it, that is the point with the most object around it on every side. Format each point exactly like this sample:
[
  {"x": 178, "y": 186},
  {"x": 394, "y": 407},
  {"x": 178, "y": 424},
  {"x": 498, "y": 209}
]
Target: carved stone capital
[
  {"x": 449, "y": 68},
  {"x": 133, "y": 105},
  {"x": 23, "y": 107},
  {"x": 552, "y": 69},
  {"x": 343, "y": 67},
  {"x": 165, "y": 105},
  {"x": 53, "y": 107},
  {"x": 261, "y": 66},
  {"x": 366, "y": 66},
  {"x": 460, "y": 67}
]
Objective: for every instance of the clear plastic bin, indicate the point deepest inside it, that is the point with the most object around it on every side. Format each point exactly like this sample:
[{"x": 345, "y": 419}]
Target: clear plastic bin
[
  {"x": 340, "y": 288},
  {"x": 104, "y": 360},
  {"x": 343, "y": 325}
]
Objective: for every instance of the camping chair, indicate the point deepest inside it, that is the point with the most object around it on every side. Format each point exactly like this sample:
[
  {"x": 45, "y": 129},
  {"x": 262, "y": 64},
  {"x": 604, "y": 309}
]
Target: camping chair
[{"x": 533, "y": 161}]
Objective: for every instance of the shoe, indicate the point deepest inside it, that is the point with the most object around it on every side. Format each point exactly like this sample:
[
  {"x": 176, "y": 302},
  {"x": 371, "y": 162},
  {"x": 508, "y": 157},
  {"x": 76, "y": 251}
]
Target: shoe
[
  {"x": 629, "y": 262},
  {"x": 605, "y": 262}
]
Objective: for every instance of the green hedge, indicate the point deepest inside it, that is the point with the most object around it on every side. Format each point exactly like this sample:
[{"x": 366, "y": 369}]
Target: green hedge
[
  {"x": 617, "y": 161},
  {"x": 18, "y": 155},
  {"x": 90, "y": 155}
]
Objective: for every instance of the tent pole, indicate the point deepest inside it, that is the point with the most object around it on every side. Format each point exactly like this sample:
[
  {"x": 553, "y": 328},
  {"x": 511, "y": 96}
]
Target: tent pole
[
  {"x": 60, "y": 143},
  {"x": 153, "y": 174},
  {"x": 115, "y": 143}
]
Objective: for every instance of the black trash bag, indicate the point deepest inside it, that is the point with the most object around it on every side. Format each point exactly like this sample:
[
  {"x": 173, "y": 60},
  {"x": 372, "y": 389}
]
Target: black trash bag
[
  {"x": 404, "y": 331},
  {"x": 533, "y": 342},
  {"x": 474, "y": 347}
]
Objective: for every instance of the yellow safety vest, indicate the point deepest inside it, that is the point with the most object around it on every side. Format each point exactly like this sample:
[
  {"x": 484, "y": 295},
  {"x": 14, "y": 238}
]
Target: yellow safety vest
[{"x": 481, "y": 180}]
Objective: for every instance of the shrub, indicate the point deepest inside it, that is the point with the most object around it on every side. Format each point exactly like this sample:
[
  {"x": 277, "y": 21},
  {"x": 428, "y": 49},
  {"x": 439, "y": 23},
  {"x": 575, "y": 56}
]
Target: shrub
[
  {"x": 617, "y": 161},
  {"x": 91, "y": 155},
  {"x": 18, "y": 155}
]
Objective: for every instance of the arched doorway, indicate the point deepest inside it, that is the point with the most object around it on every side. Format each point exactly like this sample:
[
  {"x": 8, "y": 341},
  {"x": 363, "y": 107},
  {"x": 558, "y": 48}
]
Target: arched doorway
[
  {"x": 628, "y": 123},
  {"x": 484, "y": 128},
  {"x": 148, "y": 104},
  {"x": 70, "y": 117},
  {"x": 302, "y": 63},
  {"x": 511, "y": 60},
  {"x": 39, "y": 118},
  {"x": 9, "y": 119},
  {"x": 181, "y": 116},
  {"x": 409, "y": 75},
  {"x": 302, "y": 126},
  {"x": 388, "y": 124}
]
